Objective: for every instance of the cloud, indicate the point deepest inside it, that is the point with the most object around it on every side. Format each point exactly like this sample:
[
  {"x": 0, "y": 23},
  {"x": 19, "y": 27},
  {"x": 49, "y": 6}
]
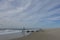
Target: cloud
[
  {"x": 54, "y": 18},
  {"x": 29, "y": 12}
]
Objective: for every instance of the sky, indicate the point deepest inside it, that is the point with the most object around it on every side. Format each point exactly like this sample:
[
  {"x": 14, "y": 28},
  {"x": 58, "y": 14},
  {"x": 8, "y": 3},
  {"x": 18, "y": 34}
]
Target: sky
[{"x": 30, "y": 13}]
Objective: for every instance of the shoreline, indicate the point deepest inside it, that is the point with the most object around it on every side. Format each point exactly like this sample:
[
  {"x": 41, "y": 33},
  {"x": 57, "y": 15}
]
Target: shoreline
[{"x": 50, "y": 34}]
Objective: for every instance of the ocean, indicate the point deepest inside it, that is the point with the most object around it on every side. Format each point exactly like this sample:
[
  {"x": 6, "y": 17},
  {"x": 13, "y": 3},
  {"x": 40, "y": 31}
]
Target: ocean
[{"x": 10, "y": 34}]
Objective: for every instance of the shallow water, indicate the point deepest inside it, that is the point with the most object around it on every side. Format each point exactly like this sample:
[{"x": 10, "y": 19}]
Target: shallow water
[{"x": 10, "y": 34}]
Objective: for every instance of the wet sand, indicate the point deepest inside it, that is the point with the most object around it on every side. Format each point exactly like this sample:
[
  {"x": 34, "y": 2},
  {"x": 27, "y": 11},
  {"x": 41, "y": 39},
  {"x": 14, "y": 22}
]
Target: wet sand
[{"x": 50, "y": 34}]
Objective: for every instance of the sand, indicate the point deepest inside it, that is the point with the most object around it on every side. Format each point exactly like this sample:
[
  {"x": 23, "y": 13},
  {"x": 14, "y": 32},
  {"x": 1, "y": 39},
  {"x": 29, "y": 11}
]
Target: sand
[{"x": 50, "y": 34}]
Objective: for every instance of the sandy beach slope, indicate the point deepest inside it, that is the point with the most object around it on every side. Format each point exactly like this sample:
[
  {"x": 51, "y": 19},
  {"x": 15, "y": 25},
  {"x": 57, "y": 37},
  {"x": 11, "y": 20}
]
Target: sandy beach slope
[{"x": 51, "y": 34}]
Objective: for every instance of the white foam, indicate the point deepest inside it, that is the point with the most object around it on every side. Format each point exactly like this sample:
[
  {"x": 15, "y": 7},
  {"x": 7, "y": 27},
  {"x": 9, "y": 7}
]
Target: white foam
[{"x": 8, "y": 31}]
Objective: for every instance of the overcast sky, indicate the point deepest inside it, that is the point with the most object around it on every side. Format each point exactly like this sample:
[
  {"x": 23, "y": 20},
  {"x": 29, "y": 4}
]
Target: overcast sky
[{"x": 30, "y": 13}]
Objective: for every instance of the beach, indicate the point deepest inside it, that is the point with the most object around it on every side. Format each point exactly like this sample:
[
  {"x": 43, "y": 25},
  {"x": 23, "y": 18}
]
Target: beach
[{"x": 48, "y": 34}]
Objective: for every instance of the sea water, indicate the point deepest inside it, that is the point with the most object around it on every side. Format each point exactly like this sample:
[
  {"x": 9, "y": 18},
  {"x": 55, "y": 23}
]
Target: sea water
[{"x": 10, "y": 34}]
